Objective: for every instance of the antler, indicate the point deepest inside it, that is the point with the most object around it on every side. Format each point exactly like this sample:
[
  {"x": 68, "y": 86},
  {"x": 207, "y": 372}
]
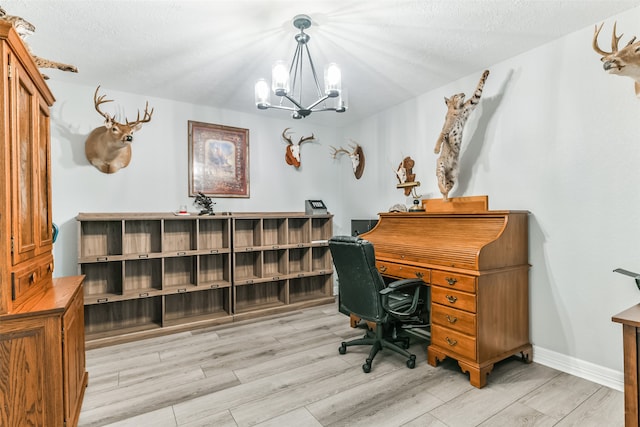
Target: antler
[
  {"x": 338, "y": 150},
  {"x": 614, "y": 40},
  {"x": 97, "y": 100},
  {"x": 286, "y": 137},
  {"x": 146, "y": 118},
  {"x": 306, "y": 138}
]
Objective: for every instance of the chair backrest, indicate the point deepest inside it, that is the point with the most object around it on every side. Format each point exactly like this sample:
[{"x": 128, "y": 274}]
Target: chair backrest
[{"x": 359, "y": 282}]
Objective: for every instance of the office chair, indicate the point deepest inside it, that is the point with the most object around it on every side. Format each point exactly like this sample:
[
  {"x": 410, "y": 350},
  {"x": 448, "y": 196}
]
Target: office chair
[{"x": 363, "y": 293}]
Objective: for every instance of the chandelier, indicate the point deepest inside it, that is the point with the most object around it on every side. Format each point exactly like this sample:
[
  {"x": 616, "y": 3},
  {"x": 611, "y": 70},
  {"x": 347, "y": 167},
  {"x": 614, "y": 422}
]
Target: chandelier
[{"x": 287, "y": 84}]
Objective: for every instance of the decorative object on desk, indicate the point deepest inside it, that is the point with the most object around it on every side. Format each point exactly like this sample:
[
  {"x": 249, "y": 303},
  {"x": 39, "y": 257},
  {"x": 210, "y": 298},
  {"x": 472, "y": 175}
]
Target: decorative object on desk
[
  {"x": 108, "y": 147},
  {"x": 417, "y": 207},
  {"x": 398, "y": 207},
  {"x": 450, "y": 139},
  {"x": 292, "y": 154},
  {"x": 205, "y": 204},
  {"x": 406, "y": 177},
  {"x": 218, "y": 160},
  {"x": 288, "y": 84},
  {"x": 623, "y": 62},
  {"x": 636, "y": 276},
  {"x": 315, "y": 207},
  {"x": 356, "y": 155},
  {"x": 24, "y": 29}
]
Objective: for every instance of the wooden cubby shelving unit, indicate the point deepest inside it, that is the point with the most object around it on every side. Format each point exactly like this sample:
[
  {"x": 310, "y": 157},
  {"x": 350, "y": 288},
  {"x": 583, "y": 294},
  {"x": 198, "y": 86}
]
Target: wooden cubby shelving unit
[{"x": 152, "y": 273}]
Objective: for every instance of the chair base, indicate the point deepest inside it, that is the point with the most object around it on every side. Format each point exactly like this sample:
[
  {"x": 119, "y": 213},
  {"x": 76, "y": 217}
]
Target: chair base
[{"x": 377, "y": 343}]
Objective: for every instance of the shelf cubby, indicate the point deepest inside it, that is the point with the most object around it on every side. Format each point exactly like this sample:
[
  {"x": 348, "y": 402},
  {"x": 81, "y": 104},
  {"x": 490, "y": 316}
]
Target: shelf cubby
[
  {"x": 124, "y": 316},
  {"x": 197, "y": 305},
  {"x": 178, "y": 236},
  {"x": 179, "y": 272},
  {"x": 213, "y": 233},
  {"x": 142, "y": 276},
  {"x": 247, "y": 266},
  {"x": 102, "y": 279},
  {"x": 214, "y": 270},
  {"x": 247, "y": 233},
  {"x": 142, "y": 237},
  {"x": 321, "y": 259},
  {"x": 100, "y": 239},
  {"x": 309, "y": 288},
  {"x": 299, "y": 260},
  {"x": 259, "y": 296},
  {"x": 321, "y": 229},
  {"x": 299, "y": 231},
  {"x": 274, "y": 232},
  {"x": 274, "y": 263}
]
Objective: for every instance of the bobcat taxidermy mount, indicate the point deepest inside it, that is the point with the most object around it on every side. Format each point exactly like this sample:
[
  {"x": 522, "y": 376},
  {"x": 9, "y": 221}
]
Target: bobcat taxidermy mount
[
  {"x": 24, "y": 28},
  {"x": 450, "y": 139}
]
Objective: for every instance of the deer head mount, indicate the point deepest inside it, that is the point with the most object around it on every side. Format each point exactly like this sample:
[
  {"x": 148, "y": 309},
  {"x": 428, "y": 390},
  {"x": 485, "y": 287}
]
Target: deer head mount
[
  {"x": 292, "y": 155},
  {"x": 356, "y": 155},
  {"x": 108, "y": 147},
  {"x": 622, "y": 62}
]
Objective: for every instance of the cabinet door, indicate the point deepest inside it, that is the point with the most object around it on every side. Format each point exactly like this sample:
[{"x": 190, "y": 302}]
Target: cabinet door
[
  {"x": 31, "y": 164},
  {"x": 30, "y": 380},
  {"x": 73, "y": 356}
]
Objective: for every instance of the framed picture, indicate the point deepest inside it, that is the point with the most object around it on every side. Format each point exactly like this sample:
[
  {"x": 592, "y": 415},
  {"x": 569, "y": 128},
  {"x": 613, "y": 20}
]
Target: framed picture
[{"x": 218, "y": 160}]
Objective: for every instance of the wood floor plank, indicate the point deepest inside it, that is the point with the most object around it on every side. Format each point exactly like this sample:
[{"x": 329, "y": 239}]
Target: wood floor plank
[{"x": 285, "y": 370}]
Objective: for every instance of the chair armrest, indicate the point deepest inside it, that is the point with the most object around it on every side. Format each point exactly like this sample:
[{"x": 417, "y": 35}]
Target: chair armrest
[{"x": 400, "y": 285}]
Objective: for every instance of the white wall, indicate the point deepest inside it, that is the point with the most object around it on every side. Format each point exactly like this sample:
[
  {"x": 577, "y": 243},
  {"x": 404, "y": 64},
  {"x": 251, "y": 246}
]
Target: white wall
[
  {"x": 156, "y": 180},
  {"x": 553, "y": 134}
]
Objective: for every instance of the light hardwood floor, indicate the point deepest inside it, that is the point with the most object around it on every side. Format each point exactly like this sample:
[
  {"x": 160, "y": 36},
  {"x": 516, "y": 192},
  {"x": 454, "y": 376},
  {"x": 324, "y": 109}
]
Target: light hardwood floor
[{"x": 285, "y": 370}]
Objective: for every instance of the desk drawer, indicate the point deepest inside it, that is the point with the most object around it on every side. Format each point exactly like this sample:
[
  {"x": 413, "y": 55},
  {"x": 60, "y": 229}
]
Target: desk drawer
[
  {"x": 403, "y": 270},
  {"x": 454, "y": 342},
  {"x": 459, "y": 282},
  {"x": 451, "y": 318},
  {"x": 455, "y": 299}
]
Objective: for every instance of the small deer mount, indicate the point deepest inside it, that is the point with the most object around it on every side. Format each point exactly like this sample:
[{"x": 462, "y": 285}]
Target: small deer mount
[
  {"x": 406, "y": 177},
  {"x": 292, "y": 154},
  {"x": 108, "y": 147},
  {"x": 621, "y": 62},
  {"x": 356, "y": 155}
]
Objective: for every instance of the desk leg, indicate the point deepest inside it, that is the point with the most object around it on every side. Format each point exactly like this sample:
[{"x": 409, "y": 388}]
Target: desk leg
[{"x": 630, "y": 343}]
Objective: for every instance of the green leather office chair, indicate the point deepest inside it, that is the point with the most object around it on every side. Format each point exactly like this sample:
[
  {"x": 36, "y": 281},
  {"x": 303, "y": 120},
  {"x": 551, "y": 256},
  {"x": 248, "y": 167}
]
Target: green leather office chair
[{"x": 362, "y": 292}]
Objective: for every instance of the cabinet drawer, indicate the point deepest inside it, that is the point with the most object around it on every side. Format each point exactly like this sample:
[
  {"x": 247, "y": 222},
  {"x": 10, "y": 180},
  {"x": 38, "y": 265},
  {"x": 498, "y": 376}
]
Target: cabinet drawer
[
  {"x": 35, "y": 275},
  {"x": 450, "y": 298},
  {"x": 454, "y": 319},
  {"x": 453, "y": 341},
  {"x": 459, "y": 282},
  {"x": 404, "y": 271}
]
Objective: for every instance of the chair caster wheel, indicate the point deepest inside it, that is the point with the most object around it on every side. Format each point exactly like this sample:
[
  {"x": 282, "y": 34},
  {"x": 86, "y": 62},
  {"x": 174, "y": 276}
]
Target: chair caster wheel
[
  {"x": 342, "y": 349},
  {"x": 366, "y": 367},
  {"x": 411, "y": 363}
]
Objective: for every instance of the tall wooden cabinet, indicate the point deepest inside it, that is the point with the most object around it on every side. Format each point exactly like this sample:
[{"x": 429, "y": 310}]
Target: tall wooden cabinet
[
  {"x": 153, "y": 273},
  {"x": 42, "y": 366}
]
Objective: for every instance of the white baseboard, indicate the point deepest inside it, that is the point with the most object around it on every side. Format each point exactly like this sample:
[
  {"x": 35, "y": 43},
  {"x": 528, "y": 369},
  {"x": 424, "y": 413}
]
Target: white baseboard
[{"x": 587, "y": 370}]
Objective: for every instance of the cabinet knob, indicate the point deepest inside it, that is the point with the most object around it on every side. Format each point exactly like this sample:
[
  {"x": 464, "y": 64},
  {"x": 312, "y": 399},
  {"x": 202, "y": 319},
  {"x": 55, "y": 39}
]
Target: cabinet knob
[
  {"x": 419, "y": 274},
  {"x": 451, "y": 280},
  {"x": 382, "y": 269},
  {"x": 452, "y": 298},
  {"x": 451, "y": 342}
]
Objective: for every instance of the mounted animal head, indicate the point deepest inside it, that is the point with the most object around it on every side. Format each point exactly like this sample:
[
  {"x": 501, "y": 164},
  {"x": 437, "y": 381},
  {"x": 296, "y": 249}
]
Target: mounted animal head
[
  {"x": 356, "y": 155},
  {"x": 292, "y": 155},
  {"x": 622, "y": 62},
  {"x": 108, "y": 147}
]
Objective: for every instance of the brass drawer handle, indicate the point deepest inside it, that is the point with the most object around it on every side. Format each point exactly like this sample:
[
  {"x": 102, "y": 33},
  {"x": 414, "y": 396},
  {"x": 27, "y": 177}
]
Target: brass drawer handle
[
  {"x": 451, "y": 280},
  {"x": 383, "y": 269},
  {"x": 451, "y": 342},
  {"x": 419, "y": 274},
  {"x": 451, "y": 298},
  {"x": 451, "y": 319}
]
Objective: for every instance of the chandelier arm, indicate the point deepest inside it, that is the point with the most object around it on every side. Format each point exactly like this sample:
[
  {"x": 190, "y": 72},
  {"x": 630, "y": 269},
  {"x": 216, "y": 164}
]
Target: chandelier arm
[
  {"x": 324, "y": 98},
  {"x": 282, "y": 107},
  {"x": 296, "y": 62},
  {"x": 294, "y": 102},
  {"x": 313, "y": 71}
]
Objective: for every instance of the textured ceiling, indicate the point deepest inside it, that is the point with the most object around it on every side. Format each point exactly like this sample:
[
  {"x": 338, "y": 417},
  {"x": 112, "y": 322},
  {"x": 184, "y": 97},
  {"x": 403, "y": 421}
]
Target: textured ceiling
[{"x": 212, "y": 52}]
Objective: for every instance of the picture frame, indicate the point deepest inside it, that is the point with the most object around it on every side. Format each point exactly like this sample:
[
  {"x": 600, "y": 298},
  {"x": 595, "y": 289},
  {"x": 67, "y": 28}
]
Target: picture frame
[{"x": 218, "y": 160}]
